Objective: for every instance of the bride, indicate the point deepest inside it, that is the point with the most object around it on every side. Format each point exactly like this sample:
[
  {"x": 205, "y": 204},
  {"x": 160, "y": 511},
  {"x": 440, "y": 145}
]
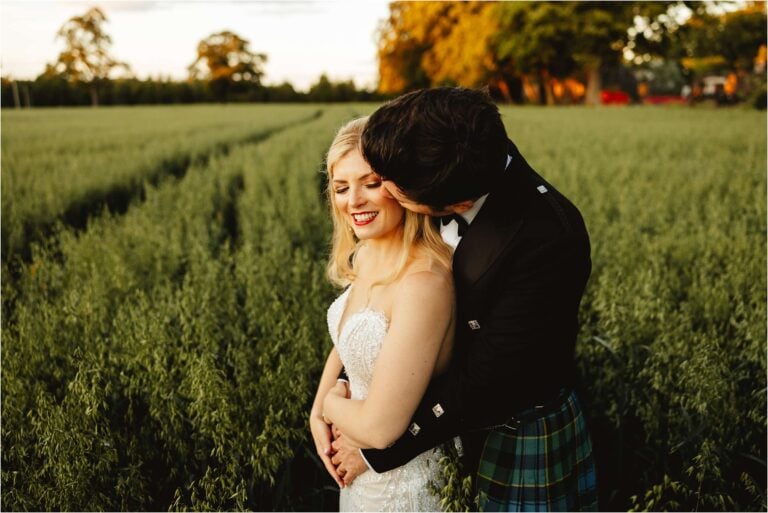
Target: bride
[{"x": 392, "y": 329}]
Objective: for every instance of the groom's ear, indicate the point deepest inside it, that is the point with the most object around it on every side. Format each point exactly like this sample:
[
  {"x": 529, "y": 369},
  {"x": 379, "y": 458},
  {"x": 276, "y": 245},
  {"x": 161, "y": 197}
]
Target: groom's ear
[{"x": 460, "y": 207}]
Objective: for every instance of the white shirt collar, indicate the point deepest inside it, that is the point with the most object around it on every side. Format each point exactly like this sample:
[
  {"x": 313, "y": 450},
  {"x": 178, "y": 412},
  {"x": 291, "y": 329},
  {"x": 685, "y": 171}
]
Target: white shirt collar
[{"x": 470, "y": 214}]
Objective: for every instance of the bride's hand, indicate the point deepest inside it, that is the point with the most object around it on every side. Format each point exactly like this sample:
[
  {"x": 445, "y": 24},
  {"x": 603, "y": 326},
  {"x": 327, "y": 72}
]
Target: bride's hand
[{"x": 321, "y": 433}]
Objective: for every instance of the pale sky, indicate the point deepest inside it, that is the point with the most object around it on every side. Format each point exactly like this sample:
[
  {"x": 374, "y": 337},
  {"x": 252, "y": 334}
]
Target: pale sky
[{"x": 302, "y": 39}]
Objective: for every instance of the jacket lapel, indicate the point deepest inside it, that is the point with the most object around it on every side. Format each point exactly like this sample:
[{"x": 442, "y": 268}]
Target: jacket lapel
[{"x": 495, "y": 226}]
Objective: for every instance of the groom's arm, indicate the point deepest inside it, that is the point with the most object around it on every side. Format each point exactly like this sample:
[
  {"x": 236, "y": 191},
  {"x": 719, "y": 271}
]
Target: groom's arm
[{"x": 517, "y": 335}]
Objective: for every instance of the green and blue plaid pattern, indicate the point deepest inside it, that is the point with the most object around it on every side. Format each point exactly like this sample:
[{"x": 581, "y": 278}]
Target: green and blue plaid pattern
[{"x": 543, "y": 464}]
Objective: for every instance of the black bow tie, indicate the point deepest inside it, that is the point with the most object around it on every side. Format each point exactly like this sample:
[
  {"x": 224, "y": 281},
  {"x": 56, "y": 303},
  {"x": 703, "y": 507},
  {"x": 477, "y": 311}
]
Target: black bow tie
[{"x": 463, "y": 224}]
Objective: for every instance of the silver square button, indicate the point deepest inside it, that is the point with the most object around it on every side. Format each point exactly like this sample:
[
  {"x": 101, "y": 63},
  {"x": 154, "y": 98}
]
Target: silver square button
[
  {"x": 438, "y": 410},
  {"x": 541, "y": 189},
  {"x": 414, "y": 429},
  {"x": 474, "y": 325}
]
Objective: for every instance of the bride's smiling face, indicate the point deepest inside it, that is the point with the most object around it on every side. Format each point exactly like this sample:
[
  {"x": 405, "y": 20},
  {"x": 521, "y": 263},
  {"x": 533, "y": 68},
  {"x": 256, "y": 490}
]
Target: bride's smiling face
[{"x": 361, "y": 199}]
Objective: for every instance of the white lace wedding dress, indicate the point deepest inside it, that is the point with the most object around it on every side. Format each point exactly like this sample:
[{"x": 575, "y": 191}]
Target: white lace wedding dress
[{"x": 405, "y": 488}]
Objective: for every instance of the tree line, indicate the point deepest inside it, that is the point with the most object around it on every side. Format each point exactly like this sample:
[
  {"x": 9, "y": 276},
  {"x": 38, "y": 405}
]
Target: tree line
[
  {"x": 524, "y": 52},
  {"x": 225, "y": 70},
  {"x": 56, "y": 91}
]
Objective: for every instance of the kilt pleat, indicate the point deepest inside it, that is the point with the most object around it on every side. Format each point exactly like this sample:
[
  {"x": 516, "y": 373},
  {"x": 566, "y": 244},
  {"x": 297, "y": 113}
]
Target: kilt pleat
[{"x": 544, "y": 463}]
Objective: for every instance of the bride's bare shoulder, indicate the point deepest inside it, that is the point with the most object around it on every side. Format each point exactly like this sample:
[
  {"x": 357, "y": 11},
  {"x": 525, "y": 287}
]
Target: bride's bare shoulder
[
  {"x": 430, "y": 264},
  {"x": 427, "y": 276}
]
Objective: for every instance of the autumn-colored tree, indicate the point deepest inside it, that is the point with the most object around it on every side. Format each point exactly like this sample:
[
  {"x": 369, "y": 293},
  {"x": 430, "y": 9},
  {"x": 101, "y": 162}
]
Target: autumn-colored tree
[
  {"x": 399, "y": 51},
  {"x": 441, "y": 43},
  {"x": 85, "y": 57},
  {"x": 225, "y": 59}
]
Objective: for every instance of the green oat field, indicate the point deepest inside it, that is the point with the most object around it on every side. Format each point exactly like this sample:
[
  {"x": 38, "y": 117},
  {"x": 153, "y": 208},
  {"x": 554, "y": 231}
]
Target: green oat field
[{"x": 164, "y": 299}]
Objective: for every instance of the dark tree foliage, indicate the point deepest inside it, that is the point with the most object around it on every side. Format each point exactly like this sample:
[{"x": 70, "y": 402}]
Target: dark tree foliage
[{"x": 47, "y": 91}]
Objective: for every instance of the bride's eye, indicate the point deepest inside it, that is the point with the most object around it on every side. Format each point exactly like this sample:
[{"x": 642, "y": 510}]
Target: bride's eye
[
  {"x": 341, "y": 190},
  {"x": 373, "y": 185}
]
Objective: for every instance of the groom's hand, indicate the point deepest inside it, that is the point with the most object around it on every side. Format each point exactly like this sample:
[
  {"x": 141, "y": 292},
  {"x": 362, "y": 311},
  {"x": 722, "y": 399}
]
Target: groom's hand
[{"x": 348, "y": 460}]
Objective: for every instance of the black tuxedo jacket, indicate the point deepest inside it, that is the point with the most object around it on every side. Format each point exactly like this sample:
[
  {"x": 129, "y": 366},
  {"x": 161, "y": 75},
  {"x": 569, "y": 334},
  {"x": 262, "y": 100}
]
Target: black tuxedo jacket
[{"x": 520, "y": 272}]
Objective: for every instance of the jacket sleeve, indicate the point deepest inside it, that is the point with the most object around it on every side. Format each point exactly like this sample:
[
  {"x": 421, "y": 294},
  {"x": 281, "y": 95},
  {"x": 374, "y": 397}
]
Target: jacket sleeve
[{"x": 517, "y": 331}]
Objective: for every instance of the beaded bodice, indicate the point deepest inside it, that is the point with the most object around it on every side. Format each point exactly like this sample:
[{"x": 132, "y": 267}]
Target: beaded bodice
[
  {"x": 358, "y": 342},
  {"x": 405, "y": 488}
]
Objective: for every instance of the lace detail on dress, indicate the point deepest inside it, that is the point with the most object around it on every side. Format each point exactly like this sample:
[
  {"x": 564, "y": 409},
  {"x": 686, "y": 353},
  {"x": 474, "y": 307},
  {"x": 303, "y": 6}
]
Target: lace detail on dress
[
  {"x": 361, "y": 338},
  {"x": 405, "y": 488}
]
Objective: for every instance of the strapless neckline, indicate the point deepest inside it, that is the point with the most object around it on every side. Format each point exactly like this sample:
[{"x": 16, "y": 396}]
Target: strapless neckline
[{"x": 342, "y": 327}]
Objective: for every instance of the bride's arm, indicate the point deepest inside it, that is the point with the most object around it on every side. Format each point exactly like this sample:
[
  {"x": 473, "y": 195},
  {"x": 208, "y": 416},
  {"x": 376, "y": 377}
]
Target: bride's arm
[
  {"x": 328, "y": 379},
  {"x": 321, "y": 432},
  {"x": 421, "y": 317}
]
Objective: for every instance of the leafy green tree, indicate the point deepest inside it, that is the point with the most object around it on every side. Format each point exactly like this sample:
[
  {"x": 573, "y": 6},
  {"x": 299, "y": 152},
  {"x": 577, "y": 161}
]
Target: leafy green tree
[
  {"x": 326, "y": 91},
  {"x": 322, "y": 90},
  {"x": 85, "y": 57},
  {"x": 537, "y": 38},
  {"x": 557, "y": 38},
  {"x": 283, "y": 93},
  {"x": 225, "y": 60},
  {"x": 729, "y": 40}
]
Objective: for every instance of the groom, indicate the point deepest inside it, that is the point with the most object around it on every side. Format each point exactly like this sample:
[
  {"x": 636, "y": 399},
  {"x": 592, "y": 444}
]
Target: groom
[{"x": 520, "y": 266}]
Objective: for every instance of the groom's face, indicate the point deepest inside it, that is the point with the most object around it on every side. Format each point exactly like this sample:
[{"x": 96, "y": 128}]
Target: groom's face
[{"x": 398, "y": 195}]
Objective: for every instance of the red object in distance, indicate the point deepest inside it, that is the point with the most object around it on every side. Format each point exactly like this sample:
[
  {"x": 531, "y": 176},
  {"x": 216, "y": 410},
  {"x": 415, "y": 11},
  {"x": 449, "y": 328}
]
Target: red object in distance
[{"x": 614, "y": 98}]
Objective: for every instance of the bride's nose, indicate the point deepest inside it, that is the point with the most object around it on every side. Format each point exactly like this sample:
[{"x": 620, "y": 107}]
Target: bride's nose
[{"x": 357, "y": 197}]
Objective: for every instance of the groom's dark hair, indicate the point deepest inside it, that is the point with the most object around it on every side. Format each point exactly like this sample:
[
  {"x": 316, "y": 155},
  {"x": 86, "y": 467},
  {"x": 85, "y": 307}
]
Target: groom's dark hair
[{"x": 440, "y": 146}]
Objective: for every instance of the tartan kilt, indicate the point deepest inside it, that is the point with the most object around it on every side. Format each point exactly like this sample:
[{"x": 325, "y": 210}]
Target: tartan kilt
[{"x": 542, "y": 463}]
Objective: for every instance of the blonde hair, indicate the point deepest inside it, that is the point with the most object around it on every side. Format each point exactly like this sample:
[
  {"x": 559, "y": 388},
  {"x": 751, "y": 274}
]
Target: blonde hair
[{"x": 419, "y": 234}]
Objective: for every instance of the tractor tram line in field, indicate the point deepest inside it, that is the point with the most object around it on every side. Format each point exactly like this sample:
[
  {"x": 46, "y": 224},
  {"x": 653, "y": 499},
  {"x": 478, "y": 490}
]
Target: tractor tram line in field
[
  {"x": 117, "y": 197},
  {"x": 116, "y": 201},
  {"x": 122, "y": 196}
]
